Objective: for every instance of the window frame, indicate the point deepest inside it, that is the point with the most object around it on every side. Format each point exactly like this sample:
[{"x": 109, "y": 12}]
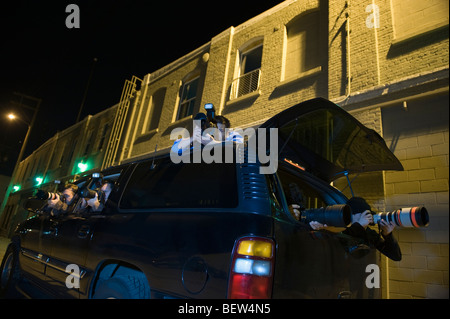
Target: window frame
[{"x": 184, "y": 84}]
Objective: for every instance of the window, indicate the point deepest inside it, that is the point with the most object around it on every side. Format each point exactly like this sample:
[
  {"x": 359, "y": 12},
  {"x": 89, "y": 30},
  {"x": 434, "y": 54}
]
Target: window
[
  {"x": 248, "y": 78},
  {"x": 90, "y": 137},
  {"x": 64, "y": 149},
  {"x": 302, "y": 52},
  {"x": 413, "y": 17},
  {"x": 156, "y": 105},
  {"x": 308, "y": 196},
  {"x": 187, "y": 98},
  {"x": 102, "y": 137},
  {"x": 181, "y": 186}
]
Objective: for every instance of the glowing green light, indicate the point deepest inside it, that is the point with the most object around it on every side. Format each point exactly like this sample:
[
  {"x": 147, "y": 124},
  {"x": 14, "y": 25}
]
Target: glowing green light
[
  {"x": 39, "y": 180},
  {"x": 16, "y": 188},
  {"x": 83, "y": 167}
]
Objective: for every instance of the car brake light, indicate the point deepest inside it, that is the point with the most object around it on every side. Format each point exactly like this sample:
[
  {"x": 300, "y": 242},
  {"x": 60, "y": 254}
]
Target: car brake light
[{"x": 251, "y": 273}]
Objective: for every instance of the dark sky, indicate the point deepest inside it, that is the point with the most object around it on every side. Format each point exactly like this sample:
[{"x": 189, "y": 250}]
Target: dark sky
[{"x": 41, "y": 57}]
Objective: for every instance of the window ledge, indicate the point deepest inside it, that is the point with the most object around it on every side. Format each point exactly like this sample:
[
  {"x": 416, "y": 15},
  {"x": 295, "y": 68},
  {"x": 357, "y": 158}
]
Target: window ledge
[
  {"x": 149, "y": 133},
  {"x": 419, "y": 33},
  {"x": 291, "y": 80},
  {"x": 181, "y": 122},
  {"x": 249, "y": 96}
]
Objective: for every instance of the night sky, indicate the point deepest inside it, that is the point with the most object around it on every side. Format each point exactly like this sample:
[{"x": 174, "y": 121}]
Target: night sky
[{"x": 41, "y": 57}]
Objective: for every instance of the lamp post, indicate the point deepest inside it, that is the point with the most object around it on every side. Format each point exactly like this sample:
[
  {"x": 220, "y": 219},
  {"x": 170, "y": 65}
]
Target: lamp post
[{"x": 24, "y": 144}]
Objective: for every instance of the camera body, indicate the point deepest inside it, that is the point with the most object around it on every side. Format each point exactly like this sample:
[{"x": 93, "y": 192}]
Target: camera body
[
  {"x": 208, "y": 119},
  {"x": 90, "y": 193},
  {"x": 93, "y": 188}
]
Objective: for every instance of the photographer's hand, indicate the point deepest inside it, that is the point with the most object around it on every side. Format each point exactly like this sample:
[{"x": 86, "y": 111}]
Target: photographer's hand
[
  {"x": 53, "y": 201},
  {"x": 386, "y": 228},
  {"x": 364, "y": 219},
  {"x": 294, "y": 208},
  {"x": 317, "y": 226},
  {"x": 94, "y": 203}
]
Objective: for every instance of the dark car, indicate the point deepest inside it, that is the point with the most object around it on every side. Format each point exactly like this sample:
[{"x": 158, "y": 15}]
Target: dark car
[{"x": 218, "y": 230}]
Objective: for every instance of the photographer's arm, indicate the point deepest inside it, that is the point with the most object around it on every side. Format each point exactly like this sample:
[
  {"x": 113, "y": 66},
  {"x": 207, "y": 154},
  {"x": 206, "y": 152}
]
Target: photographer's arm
[{"x": 388, "y": 245}]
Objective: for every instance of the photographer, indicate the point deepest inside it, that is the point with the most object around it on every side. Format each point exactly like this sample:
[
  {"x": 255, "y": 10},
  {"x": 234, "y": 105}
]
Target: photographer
[
  {"x": 362, "y": 217},
  {"x": 223, "y": 125},
  {"x": 97, "y": 203},
  {"x": 64, "y": 203}
]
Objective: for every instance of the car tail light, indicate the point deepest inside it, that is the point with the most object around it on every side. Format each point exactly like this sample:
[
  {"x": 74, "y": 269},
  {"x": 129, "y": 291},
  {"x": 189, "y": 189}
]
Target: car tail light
[{"x": 251, "y": 273}]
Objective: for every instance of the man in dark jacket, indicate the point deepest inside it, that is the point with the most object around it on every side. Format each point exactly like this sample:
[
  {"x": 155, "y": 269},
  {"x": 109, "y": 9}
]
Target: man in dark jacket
[{"x": 362, "y": 218}]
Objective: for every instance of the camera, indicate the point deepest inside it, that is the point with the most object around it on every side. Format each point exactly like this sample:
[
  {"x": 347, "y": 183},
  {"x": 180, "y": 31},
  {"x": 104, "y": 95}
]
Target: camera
[
  {"x": 333, "y": 215},
  {"x": 208, "y": 119},
  {"x": 39, "y": 200},
  {"x": 210, "y": 112},
  {"x": 92, "y": 188},
  {"x": 44, "y": 195},
  {"x": 412, "y": 217}
]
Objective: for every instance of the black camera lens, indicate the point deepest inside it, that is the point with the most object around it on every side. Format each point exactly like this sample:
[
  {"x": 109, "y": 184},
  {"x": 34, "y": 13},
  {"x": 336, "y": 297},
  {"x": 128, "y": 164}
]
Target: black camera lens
[{"x": 334, "y": 215}]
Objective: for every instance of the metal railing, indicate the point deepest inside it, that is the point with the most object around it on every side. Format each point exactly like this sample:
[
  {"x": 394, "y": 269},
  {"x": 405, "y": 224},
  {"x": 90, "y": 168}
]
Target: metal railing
[{"x": 245, "y": 84}]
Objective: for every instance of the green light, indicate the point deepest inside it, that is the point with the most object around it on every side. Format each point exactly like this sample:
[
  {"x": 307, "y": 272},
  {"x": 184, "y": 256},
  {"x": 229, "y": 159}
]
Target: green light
[
  {"x": 83, "y": 167},
  {"x": 39, "y": 180},
  {"x": 16, "y": 188}
]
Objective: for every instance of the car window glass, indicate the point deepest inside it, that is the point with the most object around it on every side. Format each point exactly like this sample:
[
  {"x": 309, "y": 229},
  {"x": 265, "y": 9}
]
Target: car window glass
[
  {"x": 299, "y": 192},
  {"x": 184, "y": 185},
  {"x": 274, "y": 195}
]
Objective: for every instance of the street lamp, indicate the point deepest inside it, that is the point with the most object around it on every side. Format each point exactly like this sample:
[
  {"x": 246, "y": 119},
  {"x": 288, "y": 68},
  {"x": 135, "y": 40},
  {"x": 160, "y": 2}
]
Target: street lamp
[{"x": 11, "y": 116}]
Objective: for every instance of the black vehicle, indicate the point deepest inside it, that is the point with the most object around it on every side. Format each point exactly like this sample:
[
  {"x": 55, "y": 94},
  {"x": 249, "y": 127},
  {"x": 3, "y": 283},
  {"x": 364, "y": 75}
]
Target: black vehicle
[{"x": 197, "y": 230}]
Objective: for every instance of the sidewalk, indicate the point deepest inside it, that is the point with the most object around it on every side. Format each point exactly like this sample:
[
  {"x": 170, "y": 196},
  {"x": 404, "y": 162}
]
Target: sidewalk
[{"x": 3, "y": 244}]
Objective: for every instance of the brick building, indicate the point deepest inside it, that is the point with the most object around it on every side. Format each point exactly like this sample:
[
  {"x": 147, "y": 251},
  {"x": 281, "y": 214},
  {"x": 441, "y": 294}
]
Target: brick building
[{"x": 386, "y": 62}]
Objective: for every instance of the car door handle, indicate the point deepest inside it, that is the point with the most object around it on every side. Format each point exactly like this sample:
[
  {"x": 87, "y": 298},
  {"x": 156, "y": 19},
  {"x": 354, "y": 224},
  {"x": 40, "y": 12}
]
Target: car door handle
[{"x": 84, "y": 231}]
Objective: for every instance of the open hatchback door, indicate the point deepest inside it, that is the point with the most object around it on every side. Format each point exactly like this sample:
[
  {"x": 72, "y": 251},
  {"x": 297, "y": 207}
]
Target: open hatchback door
[{"x": 329, "y": 142}]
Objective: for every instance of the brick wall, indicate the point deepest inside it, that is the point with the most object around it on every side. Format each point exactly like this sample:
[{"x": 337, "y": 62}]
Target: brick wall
[{"x": 420, "y": 141}]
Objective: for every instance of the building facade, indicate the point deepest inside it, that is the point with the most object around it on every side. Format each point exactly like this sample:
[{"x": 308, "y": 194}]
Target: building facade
[{"x": 386, "y": 62}]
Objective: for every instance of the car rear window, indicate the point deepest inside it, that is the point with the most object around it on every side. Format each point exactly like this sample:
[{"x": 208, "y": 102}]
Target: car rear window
[{"x": 184, "y": 185}]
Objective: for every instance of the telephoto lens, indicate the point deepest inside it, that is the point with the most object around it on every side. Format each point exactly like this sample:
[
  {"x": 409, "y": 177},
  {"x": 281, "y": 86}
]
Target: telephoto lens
[
  {"x": 41, "y": 194},
  {"x": 405, "y": 217},
  {"x": 333, "y": 215}
]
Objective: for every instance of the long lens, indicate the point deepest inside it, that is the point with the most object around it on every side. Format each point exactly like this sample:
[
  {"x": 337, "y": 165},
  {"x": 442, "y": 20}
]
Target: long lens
[
  {"x": 41, "y": 194},
  {"x": 405, "y": 217},
  {"x": 334, "y": 215}
]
